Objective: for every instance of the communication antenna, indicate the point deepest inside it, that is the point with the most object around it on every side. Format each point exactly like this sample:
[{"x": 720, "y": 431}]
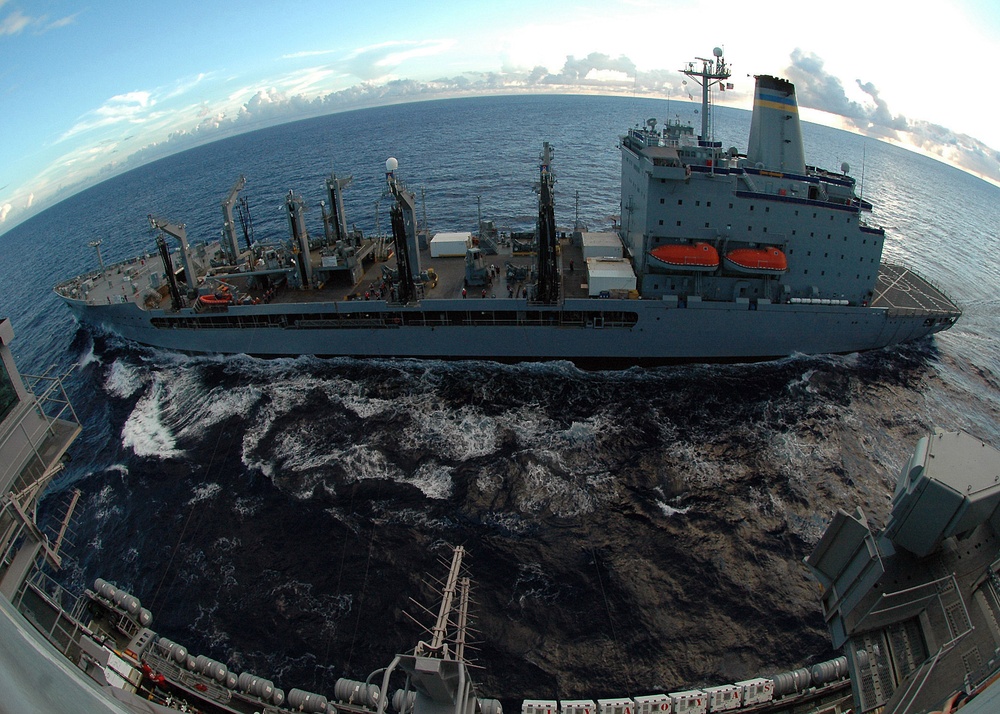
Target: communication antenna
[
  {"x": 861, "y": 191},
  {"x": 96, "y": 244},
  {"x": 713, "y": 72}
]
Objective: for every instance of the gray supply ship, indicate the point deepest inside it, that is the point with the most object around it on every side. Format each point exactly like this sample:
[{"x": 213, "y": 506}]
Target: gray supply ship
[
  {"x": 915, "y": 608},
  {"x": 719, "y": 256}
]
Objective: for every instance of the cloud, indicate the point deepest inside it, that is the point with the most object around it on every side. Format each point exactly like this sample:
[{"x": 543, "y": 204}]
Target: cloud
[
  {"x": 595, "y": 70},
  {"x": 296, "y": 96},
  {"x": 817, "y": 89},
  {"x": 16, "y": 22},
  {"x": 376, "y": 61},
  {"x": 128, "y": 107},
  {"x": 62, "y": 22},
  {"x": 308, "y": 53}
]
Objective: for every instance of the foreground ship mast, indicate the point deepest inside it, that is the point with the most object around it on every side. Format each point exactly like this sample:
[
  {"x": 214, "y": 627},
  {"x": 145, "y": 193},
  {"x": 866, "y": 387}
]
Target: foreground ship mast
[{"x": 437, "y": 672}]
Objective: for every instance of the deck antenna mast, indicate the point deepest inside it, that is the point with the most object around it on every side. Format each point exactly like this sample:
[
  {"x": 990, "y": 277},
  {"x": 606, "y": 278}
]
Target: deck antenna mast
[
  {"x": 861, "y": 191},
  {"x": 438, "y": 680},
  {"x": 712, "y": 72},
  {"x": 96, "y": 244}
]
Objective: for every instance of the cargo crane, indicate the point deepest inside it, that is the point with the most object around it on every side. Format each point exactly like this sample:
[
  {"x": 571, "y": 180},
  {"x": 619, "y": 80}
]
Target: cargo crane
[
  {"x": 295, "y": 208},
  {"x": 230, "y": 246},
  {"x": 177, "y": 230},
  {"x": 547, "y": 290},
  {"x": 404, "y": 236},
  {"x": 334, "y": 225}
]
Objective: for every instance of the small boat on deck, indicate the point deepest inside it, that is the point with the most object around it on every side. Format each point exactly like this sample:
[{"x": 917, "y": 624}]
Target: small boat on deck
[
  {"x": 767, "y": 260},
  {"x": 686, "y": 256}
]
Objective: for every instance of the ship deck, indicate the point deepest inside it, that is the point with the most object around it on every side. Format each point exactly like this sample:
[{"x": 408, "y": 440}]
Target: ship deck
[
  {"x": 131, "y": 280},
  {"x": 450, "y": 271},
  {"x": 898, "y": 289},
  {"x": 901, "y": 290}
]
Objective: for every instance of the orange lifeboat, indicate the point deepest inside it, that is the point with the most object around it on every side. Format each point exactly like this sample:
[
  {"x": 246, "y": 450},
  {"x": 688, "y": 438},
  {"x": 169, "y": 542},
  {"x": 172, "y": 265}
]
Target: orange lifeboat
[
  {"x": 685, "y": 256},
  {"x": 767, "y": 260},
  {"x": 217, "y": 299}
]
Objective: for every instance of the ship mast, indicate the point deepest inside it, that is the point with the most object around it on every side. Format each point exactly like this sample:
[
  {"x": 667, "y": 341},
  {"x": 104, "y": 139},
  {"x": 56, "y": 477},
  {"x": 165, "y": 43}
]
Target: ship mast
[
  {"x": 548, "y": 273},
  {"x": 438, "y": 680},
  {"x": 404, "y": 235},
  {"x": 712, "y": 72}
]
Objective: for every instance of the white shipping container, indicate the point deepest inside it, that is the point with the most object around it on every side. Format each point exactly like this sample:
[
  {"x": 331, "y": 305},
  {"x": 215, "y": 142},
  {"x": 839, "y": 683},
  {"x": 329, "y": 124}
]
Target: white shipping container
[
  {"x": 723, "y": 698},
  {"x": 615, "y": 706},
  {"x": 653, "y": 704},
  {"x": 602, "y": 245},
  {"x": 445, "y": 245},
  {"x": 756, "y": 691},
  {"x": 693, "y": 701},
  {"x": 578, "y": 706},
  {"x": 539, "y": 706},
  {"x": 607, "y": 274}
]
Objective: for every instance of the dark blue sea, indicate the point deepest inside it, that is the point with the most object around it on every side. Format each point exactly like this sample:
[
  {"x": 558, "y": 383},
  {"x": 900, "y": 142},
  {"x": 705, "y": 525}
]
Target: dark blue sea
[{"x": 630, "y": 532}]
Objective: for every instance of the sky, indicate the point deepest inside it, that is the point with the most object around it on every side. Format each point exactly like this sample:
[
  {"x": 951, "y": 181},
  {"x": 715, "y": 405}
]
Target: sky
[{"x": 91, "y": 88}]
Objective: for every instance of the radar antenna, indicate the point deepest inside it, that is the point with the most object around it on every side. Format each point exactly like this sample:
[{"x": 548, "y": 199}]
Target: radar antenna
[{"x": 713, "y": 72}]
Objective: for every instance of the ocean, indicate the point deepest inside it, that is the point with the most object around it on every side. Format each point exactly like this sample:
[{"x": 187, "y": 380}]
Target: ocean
[{"x": 629, "y": 532}]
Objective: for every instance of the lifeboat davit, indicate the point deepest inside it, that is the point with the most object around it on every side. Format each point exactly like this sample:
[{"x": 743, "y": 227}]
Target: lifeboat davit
[
  {"x": 685, "y": 256},
  {"x": 768, "y": 260}
]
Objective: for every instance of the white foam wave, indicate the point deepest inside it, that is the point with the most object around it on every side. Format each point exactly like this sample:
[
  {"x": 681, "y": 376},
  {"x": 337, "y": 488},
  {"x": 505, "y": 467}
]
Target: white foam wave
[
  {"x": 434, "y": 480},
  {"x": 144, "y": 432},
  {"x": 457, "y": 434},
  {"x": 105, "y": 506},
  {"x": 123, "y": 379},
  {"x": 362, "y": 462},
  {"x": 363, "y": 406},
  {"x": 204, "y": 492},
  {"x": 88, "y": 357},
  {"x": 544, "y": 489},
  {"x": 669, "y": 510},
  {"x": 247, "y": 506}
]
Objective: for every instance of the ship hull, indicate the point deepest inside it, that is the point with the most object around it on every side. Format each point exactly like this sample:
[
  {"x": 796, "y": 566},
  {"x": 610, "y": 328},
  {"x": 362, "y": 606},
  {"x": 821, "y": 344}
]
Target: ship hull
[{"x": 592, "y": 332}]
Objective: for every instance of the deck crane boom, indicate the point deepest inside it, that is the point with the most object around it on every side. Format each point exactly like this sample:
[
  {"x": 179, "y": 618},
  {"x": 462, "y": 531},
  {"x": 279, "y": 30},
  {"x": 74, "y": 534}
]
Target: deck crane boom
[{"x": 230, "y": 245}]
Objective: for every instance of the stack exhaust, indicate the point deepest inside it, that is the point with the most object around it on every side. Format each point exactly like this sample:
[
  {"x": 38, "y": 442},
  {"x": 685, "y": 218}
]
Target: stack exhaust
[{"x": 775, "y": 134}]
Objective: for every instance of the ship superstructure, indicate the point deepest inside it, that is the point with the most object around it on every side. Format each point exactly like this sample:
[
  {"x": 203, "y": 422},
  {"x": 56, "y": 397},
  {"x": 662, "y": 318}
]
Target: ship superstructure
[
  {"x": 719, "y": 256},
  {"x": 916, "y": 605},
  {"x": 679, "y": 191}
]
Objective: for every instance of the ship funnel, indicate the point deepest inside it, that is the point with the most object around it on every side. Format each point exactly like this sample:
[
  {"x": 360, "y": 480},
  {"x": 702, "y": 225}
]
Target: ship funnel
[{"x": 775, "y": 135}]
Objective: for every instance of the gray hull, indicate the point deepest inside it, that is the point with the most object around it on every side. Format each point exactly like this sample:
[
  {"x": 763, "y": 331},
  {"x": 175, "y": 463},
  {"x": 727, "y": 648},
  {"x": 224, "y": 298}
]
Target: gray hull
[{"x": 619, "y": 331}]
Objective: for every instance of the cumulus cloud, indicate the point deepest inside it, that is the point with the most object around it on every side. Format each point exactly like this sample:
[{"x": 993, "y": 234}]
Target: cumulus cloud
[
  {"x": 818, "y": 89},
  {"x": 296, "y": 96}
]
